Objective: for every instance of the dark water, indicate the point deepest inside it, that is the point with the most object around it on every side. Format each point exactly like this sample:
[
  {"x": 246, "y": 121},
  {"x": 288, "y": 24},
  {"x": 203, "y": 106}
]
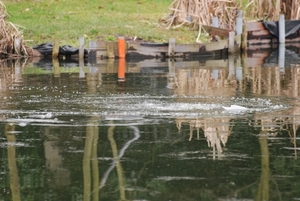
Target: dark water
[{"x": 76, "y": 133}]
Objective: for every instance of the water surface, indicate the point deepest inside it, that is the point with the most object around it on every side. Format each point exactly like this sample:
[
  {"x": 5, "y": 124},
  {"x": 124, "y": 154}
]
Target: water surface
[{"x": 73, "y": 132}]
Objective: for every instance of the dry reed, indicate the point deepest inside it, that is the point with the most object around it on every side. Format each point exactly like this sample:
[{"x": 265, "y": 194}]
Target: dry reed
[
  {"x": 201, "y": 12},
  {"x": 9, "y": 35},
  {"x": 271, "y": 9}
]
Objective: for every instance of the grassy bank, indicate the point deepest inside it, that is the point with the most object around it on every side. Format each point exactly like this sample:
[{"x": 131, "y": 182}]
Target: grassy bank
[{"x": 68, "y": 20}]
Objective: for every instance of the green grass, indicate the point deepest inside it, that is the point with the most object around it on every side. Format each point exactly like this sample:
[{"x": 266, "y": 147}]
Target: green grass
[{"x": 68, "y": 20}]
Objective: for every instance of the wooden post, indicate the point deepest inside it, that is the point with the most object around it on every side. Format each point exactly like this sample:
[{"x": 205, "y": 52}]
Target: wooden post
[
  {"x": 231, "y": 42},
  {"x": 244, "y": 58},
  {"x": 171, "y": 49},
  {"x": 239, "y": 22},
  {"x": 56, "y": 69},
  {"x": 110, "y": 50},
  {"x": 81, "y": 48},
  {"x": 81, "y": 68},
  {"x": 171, "y": 65},
  {"x": 281, "y": 28},
  {"x": 281, "y": 55},
  {"x": 244, "y": 38},
  {"x": 231, "y": 67},
  {"x": 55, "y": 50}
]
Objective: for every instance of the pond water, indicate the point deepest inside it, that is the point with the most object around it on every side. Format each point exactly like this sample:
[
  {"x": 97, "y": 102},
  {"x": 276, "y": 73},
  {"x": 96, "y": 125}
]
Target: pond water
[{"x": 173, "y": 131}]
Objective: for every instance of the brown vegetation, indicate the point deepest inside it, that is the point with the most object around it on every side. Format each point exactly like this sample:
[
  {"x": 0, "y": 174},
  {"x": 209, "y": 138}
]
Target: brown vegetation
[
  {"x": 11, "y": 39},
  {"x": 202, "y": 11},
  {"x": 270, "y": 10}
]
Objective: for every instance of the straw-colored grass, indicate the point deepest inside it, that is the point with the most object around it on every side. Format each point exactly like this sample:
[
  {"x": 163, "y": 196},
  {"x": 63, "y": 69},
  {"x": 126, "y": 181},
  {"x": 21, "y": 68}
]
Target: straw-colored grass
[
  {"x": 196, "y": 13},
  {"x": 271, "y": 9},
  {"x": 202, "y": 12},
  {"x": 9, "y": 34}
]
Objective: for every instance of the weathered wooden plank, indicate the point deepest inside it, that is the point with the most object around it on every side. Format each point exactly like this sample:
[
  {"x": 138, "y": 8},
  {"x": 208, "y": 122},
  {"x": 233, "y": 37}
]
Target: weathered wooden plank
[
  {"x": 255, "y": 26},
  {"x": 261, "y": 33},
  {"x": 98, "y": 49},
  {"x": 202, "y": 47},
  {"x": 146, "y": 50},
  {"x": 223, "y": 44},
  {"x": 217, "y": 31},
  {"x": 187, "y": 48},
  {"x": 110, "y": 50}
]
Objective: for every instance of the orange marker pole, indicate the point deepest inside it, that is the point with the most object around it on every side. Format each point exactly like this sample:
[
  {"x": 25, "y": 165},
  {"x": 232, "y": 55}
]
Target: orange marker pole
[
  {"x": 121, "y": 70},
  {"x": 121, "y": 47}
]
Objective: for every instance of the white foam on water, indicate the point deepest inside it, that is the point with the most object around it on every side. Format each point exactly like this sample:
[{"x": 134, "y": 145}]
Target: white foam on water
[{"x": 135, "y": 107}]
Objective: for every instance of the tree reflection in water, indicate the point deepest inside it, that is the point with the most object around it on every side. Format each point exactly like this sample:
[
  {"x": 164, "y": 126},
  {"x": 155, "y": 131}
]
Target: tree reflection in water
[{"x": 117, "y": 155}]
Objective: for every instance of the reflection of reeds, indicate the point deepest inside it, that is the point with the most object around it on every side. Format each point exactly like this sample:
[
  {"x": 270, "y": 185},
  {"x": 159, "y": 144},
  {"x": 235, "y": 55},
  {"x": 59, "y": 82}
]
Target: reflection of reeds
[
  {"x": 201, "y": 81},
  {"x": 11, "y": 43},
  {"x": 11, "y": 73},
  {"x": 215, "y": 133}
]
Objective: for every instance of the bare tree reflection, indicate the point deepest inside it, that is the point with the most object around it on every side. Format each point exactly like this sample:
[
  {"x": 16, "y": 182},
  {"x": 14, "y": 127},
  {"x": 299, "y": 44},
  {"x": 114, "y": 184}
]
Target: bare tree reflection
[
  {"x": 12, "y": 162},
  {"x": 264, "y": 187},
  {"x": 91, "y": 182},
  {"x": 116, "y": 159}
]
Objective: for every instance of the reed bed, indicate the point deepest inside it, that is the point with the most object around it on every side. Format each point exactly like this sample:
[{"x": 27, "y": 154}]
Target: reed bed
[
  {"x": 271, "y": 9},
  {"x": 201, "y": 12},
  {"x": 9, "y": 35},
  {"x": 196, "y": 13}
]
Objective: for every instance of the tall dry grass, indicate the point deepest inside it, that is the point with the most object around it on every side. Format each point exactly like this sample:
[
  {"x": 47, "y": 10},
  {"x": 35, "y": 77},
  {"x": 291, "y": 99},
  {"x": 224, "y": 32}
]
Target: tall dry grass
[
  {"x": 270, "y": 10},
  {"x": 201, "y": 12},
  {"x": 9, "y": 34}
]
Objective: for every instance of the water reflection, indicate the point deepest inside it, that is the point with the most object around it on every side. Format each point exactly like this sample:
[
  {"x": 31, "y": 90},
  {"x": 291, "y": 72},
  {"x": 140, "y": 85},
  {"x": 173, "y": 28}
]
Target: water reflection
[
  {"x": 12, "y": 162},
  {"x": 90, "y": 163},
  {"x": 73, "y": 132}
]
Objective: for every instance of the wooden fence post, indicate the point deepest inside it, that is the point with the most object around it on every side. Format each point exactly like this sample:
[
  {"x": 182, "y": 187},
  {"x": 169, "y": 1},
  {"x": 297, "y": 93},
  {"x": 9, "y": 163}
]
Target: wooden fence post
[
  {"x": 281, "y": 28},
  {"x": 239, "y": 22},
  {"x": 281, "y": 56},
  {"x": 81, "y": 48},
  {"x": 244, "y": 38},
  {"x": 171, "y": 49},
  {"x": 55, "y": 50},
  {"x": 231, "y": 42},
  {"x": 110, "y": 50}
]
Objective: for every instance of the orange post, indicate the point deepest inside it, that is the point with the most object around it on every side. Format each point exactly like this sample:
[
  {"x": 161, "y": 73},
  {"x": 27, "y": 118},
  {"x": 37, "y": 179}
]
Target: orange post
[
  {"x": 121, "y": 47},
  {"x": 121, "y": 70}
]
